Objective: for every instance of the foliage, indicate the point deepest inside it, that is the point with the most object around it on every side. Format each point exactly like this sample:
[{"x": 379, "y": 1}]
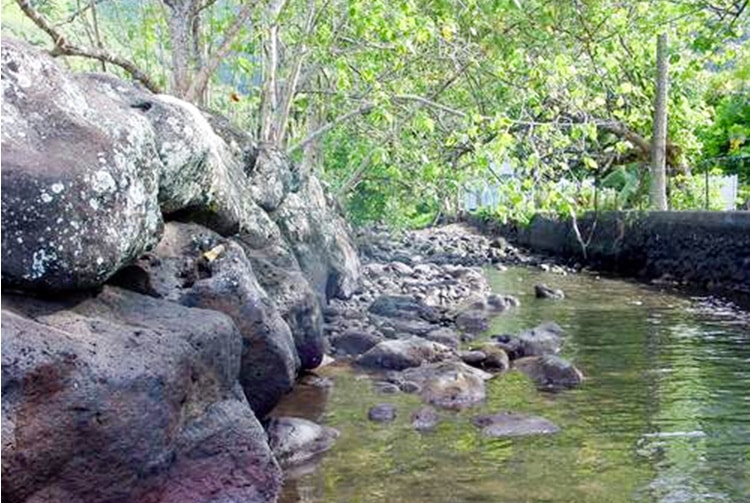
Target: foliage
[{"x": 398, "y": 104}]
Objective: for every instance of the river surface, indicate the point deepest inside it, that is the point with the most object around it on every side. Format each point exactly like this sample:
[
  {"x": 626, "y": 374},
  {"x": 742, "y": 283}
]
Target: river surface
[{"x": 664, "y": 415}]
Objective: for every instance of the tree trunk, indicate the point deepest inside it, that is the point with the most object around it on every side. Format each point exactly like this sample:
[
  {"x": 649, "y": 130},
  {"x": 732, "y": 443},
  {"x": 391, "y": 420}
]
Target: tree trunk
[
  {"x": 180, "y": 24},
  {"x": 659, "y": 143}
]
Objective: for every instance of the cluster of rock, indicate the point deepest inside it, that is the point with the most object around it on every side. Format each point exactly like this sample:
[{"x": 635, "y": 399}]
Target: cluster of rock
[
  {"x": 139, "y": 352},
  {"x": 415, "y": 311}
]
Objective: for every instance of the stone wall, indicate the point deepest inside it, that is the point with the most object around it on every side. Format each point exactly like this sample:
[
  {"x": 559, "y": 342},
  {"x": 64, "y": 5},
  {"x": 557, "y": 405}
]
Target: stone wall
[{"x": 708, "y": 250}]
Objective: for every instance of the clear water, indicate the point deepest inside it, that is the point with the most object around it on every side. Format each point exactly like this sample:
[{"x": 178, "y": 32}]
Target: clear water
[{"x": 664, "y": 415}]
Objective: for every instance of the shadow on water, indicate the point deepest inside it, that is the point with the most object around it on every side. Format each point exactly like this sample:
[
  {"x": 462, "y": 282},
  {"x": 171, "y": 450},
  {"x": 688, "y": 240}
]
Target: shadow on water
[{"x": 664, "y": 415}]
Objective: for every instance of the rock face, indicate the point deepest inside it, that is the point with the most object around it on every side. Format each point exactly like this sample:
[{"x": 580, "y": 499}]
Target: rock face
[
  {"x": 125, "y": 397},
  {"x": 151, "y": 396},
  {"x": 91, "y": 163}
]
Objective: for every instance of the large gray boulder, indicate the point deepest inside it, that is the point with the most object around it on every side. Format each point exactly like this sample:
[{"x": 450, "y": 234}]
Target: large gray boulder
[
  {"x": 91, "y": 163},
  {"x": 123, "y": 397},
  {"x": 80, "y": 176},
  {"x": 320, "y": 240}
]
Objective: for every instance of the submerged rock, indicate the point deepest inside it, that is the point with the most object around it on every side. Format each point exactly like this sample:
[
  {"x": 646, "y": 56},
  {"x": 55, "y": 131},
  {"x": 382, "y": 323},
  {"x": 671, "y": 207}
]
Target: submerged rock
[
  {"x": 400, "y": 354},
  {"x": 512, "y": 424},
  {"x": 495, "y": 358},
  {"x": 550, "y": 372},
  {"x": 295, "y": 441},
  {"x": 542, "y": 291},
  {"x": 382, "y": 413},
  {"x": 425, "y": 418},
  {"x": 544, "y": 339},
  {"x": 450, "y": 385}
]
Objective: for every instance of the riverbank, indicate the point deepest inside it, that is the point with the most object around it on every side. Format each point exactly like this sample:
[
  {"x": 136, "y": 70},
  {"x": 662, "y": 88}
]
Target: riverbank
[
  {"x": 662, "y": 415},
  {"x": 695, "y": 250}
]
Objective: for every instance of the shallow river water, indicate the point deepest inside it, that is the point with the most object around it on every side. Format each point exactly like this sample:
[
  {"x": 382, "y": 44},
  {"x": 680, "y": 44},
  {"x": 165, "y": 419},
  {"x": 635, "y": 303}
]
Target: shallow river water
[{"x": 664, "y": 415}]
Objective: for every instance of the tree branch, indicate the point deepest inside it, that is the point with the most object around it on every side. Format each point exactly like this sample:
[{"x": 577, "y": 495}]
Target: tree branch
[
  {"x": 200, "y": 81},
  {"x": 361, "y": 110},
  {"x": 63, "y": 48},
  {"x": 291, "y": 89}
]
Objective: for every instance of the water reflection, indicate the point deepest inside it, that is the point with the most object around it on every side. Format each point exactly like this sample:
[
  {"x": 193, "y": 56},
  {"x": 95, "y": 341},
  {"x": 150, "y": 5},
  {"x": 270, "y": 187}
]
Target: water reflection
[{"x": 664, "y": 415}]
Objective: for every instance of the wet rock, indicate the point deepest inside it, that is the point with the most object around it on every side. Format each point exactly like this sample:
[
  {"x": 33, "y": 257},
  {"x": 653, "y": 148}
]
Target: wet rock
[
  {"x": 97, "y": 389},
  {"x": 410, "y": 387},
  {"x": 500, "y": 303},
  {"x": 550, "y": 372},
  {"x": 398, "y": 327},
  {"x": 512, "y": 424},
  {"x": 382, "y": 413},
  {"x": 403, "y": 307},
  {"x": 542, "y": 291},
  {"x": 450, "y": 385},
  {"x": 425, "y": 418},
  {"x": 496, "y": 359},
  {"x": 472, "y": 321},
  {"x": 295, "y": 441},
  {"x": 355, "y": 342},
  {"x": 544, "y": 339},
  {"x": 400, "y": 354},
  {"x": 473, "y": 357},
  {"x": 401, "y": 268},
  {"x": 386, "y": 387}
]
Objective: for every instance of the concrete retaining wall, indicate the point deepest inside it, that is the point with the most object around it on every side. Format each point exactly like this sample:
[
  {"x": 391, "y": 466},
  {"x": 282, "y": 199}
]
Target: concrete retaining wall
[{"x": 710, "y": 250}]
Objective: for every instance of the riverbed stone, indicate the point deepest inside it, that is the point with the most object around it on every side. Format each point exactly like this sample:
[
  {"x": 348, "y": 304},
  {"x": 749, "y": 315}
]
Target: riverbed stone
[
  {"x": 444, "y": 335},
  {"x": 355, "y": 342},
  {"x": 472, "y": 321},
  {"x": 425, "y": 418},
  {"x": 513, "y": 424},
  {"x": 550, "y": 372},
  {"x": 400, "y": 354},
  {"x": 295, "y": 440},
  {"x": 542, "y": 291},
  {"x": 403, "y": 307},
  {"x": 545, "y": 338},
  {"x": 382, "y": 413},
  {"x": 449, "y": 385}
]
